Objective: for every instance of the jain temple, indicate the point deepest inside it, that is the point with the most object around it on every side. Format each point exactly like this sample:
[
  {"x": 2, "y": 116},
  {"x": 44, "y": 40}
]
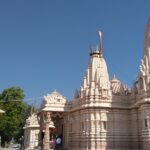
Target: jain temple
[{"x": 103, "y": 115}]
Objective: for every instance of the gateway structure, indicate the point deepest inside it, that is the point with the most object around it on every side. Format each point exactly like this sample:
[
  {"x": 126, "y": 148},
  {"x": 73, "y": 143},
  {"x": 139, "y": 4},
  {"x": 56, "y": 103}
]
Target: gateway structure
[{"x": 104, "y": 114}]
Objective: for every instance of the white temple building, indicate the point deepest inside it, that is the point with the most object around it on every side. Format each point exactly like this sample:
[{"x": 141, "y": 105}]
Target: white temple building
[{"x": 104, "y": 114}]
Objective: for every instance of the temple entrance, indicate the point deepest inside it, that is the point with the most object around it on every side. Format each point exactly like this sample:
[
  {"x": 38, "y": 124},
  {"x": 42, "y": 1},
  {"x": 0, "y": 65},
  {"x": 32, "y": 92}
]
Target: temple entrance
[
  {"x": 56, "y": 132},
  {"x": 52, "y": 129},
  {"x": 51, "y": 119}
]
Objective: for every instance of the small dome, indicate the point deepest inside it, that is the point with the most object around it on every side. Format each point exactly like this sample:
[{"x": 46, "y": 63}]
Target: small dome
[
  {"x": 114, "y": 80},
  {"x": 117, "y": 87}
]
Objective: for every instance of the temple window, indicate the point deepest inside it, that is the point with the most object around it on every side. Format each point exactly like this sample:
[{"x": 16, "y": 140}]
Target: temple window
[
  {"x": 82, "y": 126},
  {"x": 58, "y": 100},
  {"x": 94, "y": 123},
  {"x": 70, "y": 127},
  {"x": 104, "y": 125},
  {"x": 145, "y": 123},
  {"x": 36, "y": 136}
]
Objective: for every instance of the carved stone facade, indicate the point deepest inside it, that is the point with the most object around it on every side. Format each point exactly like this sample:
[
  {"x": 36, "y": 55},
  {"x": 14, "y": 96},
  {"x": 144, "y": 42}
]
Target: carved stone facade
[
  {"x": 104, "y": 114},
  {"x": 31, "y": 134}
]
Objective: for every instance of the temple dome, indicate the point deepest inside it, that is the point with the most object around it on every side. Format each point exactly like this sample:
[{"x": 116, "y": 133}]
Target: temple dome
[{"x": 117, "y": 87}]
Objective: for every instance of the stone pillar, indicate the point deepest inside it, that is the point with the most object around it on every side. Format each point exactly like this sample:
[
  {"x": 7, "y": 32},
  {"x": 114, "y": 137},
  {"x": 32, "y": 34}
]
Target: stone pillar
[{"x": 47, "y": 132}]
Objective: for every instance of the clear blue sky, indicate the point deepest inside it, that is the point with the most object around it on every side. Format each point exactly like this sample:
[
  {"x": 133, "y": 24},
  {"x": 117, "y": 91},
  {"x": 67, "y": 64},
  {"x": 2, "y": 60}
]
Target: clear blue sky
[{"x": 44, "y": 45}]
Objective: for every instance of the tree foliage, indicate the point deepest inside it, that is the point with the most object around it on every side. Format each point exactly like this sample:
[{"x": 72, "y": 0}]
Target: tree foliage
[{"x": 16, "y": 112}]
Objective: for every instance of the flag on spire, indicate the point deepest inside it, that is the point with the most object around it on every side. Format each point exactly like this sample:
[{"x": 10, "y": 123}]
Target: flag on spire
[{"x": 100, "y": 46}]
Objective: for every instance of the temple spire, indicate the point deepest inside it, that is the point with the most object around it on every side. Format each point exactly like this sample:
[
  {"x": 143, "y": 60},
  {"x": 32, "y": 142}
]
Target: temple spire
[
  {"x": 147, "y": 38},
  {"x": 144, "y": 73},
  {"x": 100, "y": 44}
]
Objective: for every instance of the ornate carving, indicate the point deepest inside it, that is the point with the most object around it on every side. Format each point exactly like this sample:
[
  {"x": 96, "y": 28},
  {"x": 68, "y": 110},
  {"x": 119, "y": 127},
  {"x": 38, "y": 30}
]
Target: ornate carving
[
  {"x": 52, "y": 98},
  {"x": 32, "y": 121}
]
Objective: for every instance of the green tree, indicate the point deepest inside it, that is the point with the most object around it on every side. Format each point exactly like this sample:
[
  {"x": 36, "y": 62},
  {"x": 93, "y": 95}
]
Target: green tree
[{"x": 16, "y": 112}]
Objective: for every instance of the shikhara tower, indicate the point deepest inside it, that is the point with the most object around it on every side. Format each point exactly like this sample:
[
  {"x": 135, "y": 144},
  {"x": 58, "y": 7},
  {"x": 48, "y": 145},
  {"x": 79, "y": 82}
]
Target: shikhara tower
[{"x": 104, "y": 114}]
